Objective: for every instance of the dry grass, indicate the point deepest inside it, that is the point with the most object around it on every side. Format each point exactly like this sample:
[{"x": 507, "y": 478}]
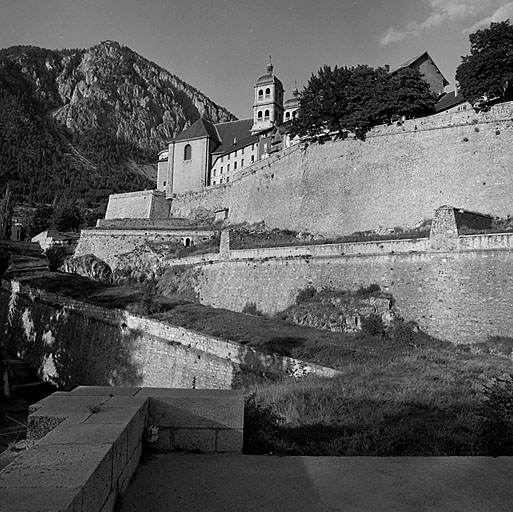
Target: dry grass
[{"x": 423, "y": 399}]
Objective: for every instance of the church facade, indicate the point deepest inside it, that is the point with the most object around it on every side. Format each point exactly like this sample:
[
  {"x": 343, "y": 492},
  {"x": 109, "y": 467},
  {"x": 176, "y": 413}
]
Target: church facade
[{"x": 207, "y": 154}]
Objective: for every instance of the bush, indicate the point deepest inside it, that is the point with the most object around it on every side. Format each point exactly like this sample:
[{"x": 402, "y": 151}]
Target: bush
[
  {"x": 306, "y": 294},
  {"x": 251, "y": 309},
  {"x": 497, "y": 416},
  {"x": 373, "y": 325},
  {"x": 261, "y": 426},
  {"x": 56, "y": 257},
  {"x": 367, "y": 291},
  {"x": 401, "y": 332}
]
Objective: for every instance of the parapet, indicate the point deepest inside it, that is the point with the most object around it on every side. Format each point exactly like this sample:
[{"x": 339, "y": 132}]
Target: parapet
[{"x": 87, "y": 444}]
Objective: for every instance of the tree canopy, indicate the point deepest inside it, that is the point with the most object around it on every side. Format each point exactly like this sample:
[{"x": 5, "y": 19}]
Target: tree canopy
[
  {"x": 487, "y": 73},
  {"x": 353, "y": 100}
]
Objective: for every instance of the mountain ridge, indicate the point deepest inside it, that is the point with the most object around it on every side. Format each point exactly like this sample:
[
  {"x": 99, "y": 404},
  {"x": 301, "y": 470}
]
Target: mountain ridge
[{"x": 89, "y": 122}]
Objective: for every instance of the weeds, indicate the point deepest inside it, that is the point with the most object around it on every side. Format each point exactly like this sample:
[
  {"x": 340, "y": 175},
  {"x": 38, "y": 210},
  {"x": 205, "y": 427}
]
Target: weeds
[
  {"x": 261, "y": 426},
  {"x": 94, "y": 408},
  {"x": 497, "y": 416}
]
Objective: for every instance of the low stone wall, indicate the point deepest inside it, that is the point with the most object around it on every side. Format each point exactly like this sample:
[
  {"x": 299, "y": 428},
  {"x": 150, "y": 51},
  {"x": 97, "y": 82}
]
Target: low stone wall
[
  {"x": 88, "y": 443},
  {"x": 72, "y": 342}
]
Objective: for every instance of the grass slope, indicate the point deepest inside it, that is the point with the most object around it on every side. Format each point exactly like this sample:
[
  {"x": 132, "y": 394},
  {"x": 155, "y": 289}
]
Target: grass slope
[{"x": 404, "y": 393}]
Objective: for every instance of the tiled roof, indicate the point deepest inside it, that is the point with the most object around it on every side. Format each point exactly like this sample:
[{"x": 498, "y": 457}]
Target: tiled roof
[
  {"x": 449, "y": 100},
  {"x": 200, "y": 128},
  {"x": 238, "y": 131}
]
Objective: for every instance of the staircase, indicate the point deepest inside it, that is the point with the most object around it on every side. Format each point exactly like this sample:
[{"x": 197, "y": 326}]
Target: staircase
[{"x": 21, "y": 378}]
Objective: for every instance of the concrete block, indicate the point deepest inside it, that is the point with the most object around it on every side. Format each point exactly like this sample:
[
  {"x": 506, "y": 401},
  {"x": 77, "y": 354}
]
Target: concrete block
[
  {"x": 185, "y": 393},
  {"x": 65, "y": 405},
  {"x": 98, "y": 486},
  {"x": 38, "y": 499},
  {"x": 229, "y": 440},
  {"x": 135, "y": 458},
  {"x": 124, "y": 478},
  {"x": 85, "y": 433},
  {"x": 135, "y": 431},
  {"x": 203, "y": 440},
  {"x": 112, "y": 416},
  {"x": 201, "y": 412},
  {"x": 49, "y": 466},
  {"x": 38, "y": 425},
  {"x": 110, "y": 503},
  {"x": 129, "y": 402},
  {"x": 119, "y": 456},
  {"x": 104, "y": 391}
]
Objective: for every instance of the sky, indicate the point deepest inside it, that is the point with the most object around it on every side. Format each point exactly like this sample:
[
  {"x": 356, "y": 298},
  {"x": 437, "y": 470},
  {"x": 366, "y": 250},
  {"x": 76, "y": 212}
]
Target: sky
[{"x": 222, "y": 46}]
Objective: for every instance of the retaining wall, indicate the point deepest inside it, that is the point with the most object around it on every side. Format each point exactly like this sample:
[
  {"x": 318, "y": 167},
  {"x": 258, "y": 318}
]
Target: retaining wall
[
  {"x": 151, "y": 245},
  {"x": 72, "y": 342},
  {"x": 397, "y": 177}
]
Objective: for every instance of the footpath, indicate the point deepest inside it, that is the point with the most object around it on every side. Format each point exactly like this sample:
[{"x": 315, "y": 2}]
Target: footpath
[{"x": 188, "y": 482}]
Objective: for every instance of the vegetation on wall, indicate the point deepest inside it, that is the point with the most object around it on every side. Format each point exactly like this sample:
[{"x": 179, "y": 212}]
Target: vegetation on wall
[
  {"x": 487, "y": 73},
  {"x": 345, "y": 101}
]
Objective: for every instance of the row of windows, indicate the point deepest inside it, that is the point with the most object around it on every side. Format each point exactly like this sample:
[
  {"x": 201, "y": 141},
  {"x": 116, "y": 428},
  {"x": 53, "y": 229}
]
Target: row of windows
[
  {"x": 267, "y": 93},
  {"x": 221, "y": 180},
  {"x": 235, "y": 153},
  {"x": 221, "y": 169},
  {"x": 265, "y": 116}
]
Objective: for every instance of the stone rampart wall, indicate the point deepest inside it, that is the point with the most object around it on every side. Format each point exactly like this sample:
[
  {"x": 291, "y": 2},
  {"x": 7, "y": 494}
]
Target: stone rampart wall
[
  {"x": 460, "y": 296},
  {"x": 72, "y": 342},
  {"x": 148, "y": 245},
  {"x": 145, "y": 204},
  {"x": 397, "y": 177}
]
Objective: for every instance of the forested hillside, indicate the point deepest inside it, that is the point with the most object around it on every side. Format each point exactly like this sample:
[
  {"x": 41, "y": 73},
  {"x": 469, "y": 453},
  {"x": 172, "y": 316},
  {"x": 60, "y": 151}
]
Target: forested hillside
[{"x": 81, "y": 124}]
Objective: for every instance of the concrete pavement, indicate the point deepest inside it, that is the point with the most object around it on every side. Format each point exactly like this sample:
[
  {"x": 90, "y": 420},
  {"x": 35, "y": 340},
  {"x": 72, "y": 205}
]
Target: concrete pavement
[{"x": 189, "y": 482}]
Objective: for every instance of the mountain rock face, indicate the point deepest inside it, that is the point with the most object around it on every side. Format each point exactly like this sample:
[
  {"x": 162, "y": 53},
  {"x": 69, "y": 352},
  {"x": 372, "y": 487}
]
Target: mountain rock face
[{"x": 104, "y": 110}]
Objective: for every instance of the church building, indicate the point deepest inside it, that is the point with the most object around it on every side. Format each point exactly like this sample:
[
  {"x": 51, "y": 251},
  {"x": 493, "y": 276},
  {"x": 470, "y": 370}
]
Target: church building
[{"x": 207, "y": 154}]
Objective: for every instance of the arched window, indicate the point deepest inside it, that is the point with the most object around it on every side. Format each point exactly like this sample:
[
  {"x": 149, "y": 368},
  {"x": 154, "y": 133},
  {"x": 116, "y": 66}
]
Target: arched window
[
  {"x": 259, "y": 115},
  {"x": 267, "y": 92},
  {"x": 287, "y": 115},
  {"x": 187, "y": 152},
  {"x": 266, "y": 115},
  {"x": 260, "y": 93}
]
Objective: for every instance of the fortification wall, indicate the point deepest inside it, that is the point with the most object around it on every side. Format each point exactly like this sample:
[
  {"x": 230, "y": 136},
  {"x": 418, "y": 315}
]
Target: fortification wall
[
  {"x": 148, "y": 246},
  {"x": 144, "y": 204},
  {"x": 462, "y": 297},
  {"x": 75, "y": 343},
  {"x": 397, "y": 177}
]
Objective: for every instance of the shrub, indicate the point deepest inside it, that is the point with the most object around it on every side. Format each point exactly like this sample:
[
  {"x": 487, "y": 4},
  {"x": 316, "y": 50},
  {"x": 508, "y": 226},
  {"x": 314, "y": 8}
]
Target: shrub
[
  {"x": 306, "y": 294},
  {"x": 56, "y": 257},
  {"x": 367, "y": 291},
  {"x": 373, "y": 325},
  {"x": 401, "y": 332},
  {"x": 261, "y": 426},
  {"x": 251, "y": 309},
  {"x": 497, "y": 416}
]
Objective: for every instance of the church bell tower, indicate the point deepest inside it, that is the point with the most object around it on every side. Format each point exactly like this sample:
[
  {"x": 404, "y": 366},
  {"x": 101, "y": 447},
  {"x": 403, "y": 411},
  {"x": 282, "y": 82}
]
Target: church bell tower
[{"x": 268, "y": 103}]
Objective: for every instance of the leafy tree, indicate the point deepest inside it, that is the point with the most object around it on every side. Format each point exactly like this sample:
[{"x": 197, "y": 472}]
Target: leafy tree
[
  {"x": 353, "y": 100},
  {"x": 66, "y": 218},
  {"x": 488, "y": 71},
  {"x": 41, "y": 220}
]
